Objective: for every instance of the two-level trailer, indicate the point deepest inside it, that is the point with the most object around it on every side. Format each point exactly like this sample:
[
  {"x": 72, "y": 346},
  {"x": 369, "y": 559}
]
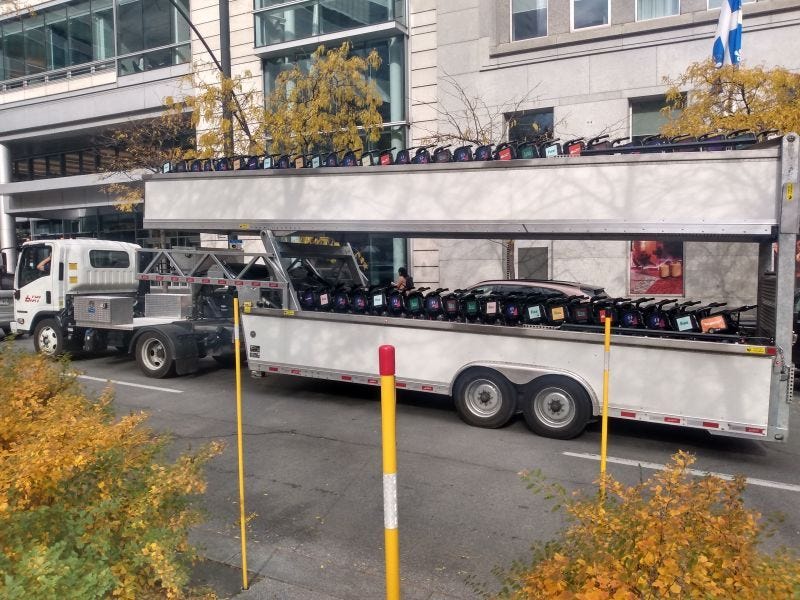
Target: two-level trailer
[{"x": 552, "y": 375}]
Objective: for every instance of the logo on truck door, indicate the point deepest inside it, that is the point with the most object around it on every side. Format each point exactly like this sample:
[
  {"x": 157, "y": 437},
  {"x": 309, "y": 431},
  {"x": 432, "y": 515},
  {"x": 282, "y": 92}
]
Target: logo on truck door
[{"x": 32, "y": 298}]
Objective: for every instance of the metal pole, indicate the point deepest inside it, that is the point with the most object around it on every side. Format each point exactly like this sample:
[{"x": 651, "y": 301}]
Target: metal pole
[
  {"x": 239, "y": 443},
  {"x": 604, "y": 433},
  {"x": 388, "y": 418}
]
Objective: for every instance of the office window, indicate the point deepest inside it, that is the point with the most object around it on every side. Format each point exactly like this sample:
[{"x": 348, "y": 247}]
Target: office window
[
  {"x": 103, "y": 29},
  {"x": 14, "y": 49},
  {"x": 57, "y": 38},
  {"x": 718, "y": 3},
  {"x": 80, "y": 33},
  {"x": 590, "y": 13},
  {"x": 528, "y": 19},
  {"x": 34, "y": 45},
  {"x": 646, "y": 116},
  {"x": 654, "y": 9},
  {"x": 530, "y": 124}
]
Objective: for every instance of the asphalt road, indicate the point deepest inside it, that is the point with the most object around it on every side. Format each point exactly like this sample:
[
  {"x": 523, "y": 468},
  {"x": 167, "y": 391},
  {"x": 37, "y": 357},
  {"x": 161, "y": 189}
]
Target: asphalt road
[{"x": 313, "y": 479}]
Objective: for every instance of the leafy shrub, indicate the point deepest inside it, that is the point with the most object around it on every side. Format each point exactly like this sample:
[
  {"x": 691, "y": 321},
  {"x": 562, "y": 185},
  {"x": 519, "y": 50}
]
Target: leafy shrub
[
  {"x": 673, "y": 536},
  {"x": 87, "y": 509}
]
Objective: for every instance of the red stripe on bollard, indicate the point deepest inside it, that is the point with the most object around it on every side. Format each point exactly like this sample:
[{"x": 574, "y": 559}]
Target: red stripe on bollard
[{"x": 386, "y": 360}]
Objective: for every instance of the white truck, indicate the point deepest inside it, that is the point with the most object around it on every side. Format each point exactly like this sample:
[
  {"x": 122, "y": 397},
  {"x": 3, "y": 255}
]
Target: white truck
[
  {"x": 551, "y": 375},
  {"x": 168, "y": 308}
]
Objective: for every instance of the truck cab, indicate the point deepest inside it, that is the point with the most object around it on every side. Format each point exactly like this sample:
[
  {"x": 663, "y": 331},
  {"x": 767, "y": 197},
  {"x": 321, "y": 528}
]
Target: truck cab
[{"x": 50, "y": 274}]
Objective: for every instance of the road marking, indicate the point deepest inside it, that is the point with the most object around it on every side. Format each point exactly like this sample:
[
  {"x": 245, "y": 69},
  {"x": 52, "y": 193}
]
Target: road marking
[
  {"x": 136, "y": 385},
  {"x": 659, "y": 467}
]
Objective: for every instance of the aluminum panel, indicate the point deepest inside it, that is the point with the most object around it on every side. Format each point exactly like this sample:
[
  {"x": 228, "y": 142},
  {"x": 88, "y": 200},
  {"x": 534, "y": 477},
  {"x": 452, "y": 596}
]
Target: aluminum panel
[
  {"x": 616, "y": 195},
  {"x": 103, "y": 310},
  {"x": 729, "y": 387}
]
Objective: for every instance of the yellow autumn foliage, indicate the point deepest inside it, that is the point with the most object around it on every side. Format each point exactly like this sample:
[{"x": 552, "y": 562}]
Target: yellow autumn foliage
[
  {"x": 87, "y": 508},
  {"x": 732, "y": 98},
  {"x": 673, "y": 536}
]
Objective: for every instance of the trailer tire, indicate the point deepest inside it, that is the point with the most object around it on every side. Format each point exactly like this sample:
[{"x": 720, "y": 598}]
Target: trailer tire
[
  {"x": 48, "y": 338},
  {"x": 484, "y": 398},
  {"x": 154, "y": 355},
  {"x": 556, "y": 407}
]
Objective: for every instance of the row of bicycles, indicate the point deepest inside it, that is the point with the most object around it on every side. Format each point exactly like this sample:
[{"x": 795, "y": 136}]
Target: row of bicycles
[
  {"x": 648, "y": 316},
  {"x": 540, "y": 147}
]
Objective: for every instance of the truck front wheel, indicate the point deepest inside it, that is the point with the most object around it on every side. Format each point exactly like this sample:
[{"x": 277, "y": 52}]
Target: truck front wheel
[
  {"x": 556, "y": 407},
  {"x": 48, "y": 338},
  {"x": 153, "y": 355},
  {"x": 484, "y": 398}
]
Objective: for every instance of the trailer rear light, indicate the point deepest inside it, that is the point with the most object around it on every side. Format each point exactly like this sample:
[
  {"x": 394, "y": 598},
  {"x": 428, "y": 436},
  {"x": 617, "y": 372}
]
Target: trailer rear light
[
  {"x": 772, "y": 351},
  {"x": 401, "y": 385},
  {"x": 427, "y": 388},
  {"x": 295, "y": 371},
  {"x": 710, "y": 424},
  {"x": 672, "y": 420},
  {"x": 757, "y": 430},
  {"x": 628, "y": 414},
  {"x": 273, "y": 369},
  {"x": 373, "y": 381},
  {"x": 347, "y": 378}
]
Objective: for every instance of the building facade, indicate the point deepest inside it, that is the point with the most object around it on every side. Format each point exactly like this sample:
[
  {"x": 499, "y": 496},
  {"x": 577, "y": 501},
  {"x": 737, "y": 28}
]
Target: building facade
[
  {"x": 70, "y": 70},
  {"x": 583, "y": 68}
]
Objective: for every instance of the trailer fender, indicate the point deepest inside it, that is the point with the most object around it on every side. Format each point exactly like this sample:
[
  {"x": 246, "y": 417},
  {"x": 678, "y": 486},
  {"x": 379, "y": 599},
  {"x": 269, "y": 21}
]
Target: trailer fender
[
  {"x": 522, "y": 375},
  {"x": 182, "y": 345}
]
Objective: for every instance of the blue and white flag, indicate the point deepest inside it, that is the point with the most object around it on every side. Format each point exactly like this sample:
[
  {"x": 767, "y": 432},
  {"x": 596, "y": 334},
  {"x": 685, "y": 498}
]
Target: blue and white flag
[{"x": 728, "y": 39}]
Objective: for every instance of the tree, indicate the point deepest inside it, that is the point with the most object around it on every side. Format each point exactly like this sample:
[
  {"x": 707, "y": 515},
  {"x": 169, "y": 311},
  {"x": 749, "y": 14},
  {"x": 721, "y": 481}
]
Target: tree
[
  {"x": 327, "y": 107},
  {"x": 732, "y": 98},
  {"x": 88, "y": 506},
  {"x": 675, "y": 535}
]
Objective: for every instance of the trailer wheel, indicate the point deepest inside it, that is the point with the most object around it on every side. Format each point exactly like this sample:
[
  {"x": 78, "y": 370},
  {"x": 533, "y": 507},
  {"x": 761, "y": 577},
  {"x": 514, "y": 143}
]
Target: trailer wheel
[
  {"x": 484, "y": 398},
  {"x": 556, "y": 407},
  {"x": 153, "y": 355},
  {"x": 48, "y": 338}
]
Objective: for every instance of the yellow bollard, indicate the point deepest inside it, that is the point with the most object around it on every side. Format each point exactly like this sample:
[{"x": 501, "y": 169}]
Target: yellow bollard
[
  {"x": 388, "y": 418},
  {"x": 239, "y": 443},
  {"x": 604, "y": 434}
]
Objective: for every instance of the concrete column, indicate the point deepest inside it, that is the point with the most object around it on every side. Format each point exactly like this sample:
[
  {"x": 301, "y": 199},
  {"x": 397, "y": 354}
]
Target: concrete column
[{"x": 8, "y": 230}]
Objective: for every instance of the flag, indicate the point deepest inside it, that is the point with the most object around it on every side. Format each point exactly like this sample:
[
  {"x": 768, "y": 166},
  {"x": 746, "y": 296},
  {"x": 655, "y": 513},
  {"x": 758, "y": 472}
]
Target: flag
[{"x": 728, "y": 39}]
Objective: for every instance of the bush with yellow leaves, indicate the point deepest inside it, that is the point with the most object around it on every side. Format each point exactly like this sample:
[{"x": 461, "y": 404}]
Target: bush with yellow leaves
[
  {"x": 673, "y": 536},
  {"x": 87, "y": 508}
]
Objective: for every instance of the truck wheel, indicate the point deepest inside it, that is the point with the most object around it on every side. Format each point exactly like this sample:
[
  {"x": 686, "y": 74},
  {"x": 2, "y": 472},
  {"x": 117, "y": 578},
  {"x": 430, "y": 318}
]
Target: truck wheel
[
  {"x": 48, "y": 338},
  {"x": 556, "y": 407},
  {"x": 484, "y": 398},
  {"x": 153, "y": 355}
]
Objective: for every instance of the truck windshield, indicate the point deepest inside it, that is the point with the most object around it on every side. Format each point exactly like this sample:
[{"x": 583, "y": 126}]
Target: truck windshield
[{"x": 34, "y": 263}]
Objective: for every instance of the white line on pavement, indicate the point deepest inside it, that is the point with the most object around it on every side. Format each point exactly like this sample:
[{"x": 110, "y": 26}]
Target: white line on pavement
[
  {"x": 136, "y": 385},
  {"x": 659, "y": 467}
]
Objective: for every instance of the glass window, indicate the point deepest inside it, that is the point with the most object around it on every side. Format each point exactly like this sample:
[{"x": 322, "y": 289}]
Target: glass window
[
  {"x": 389, "y": 80},
  {"x": 57, "y": 38},
  {"x": 80, "y": 33},
  {"x": 14, "y": 49},
  {"x": 646, "y": 116},
  {"x": 109, "y": 259},
  {"x": 102, "y": 29},
  {"x": 589, "y": 13},
  {"x": 130, "y": 36},
  {"x": 34, "y": 45},
  {"x": 34, "y": 263},
  {"x": 158, "y": 31},
  {"x": 530, "y": 124},
  {"x": 337, "y": 15},
  {"x": 654, "y": 9},
  {"x": 528, "y": 19}
]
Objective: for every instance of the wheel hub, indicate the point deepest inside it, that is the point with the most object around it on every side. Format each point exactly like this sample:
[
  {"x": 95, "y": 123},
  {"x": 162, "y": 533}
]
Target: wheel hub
[
  {"x": 483, "y": 398},
  {"x": 554, "y": 407}
]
